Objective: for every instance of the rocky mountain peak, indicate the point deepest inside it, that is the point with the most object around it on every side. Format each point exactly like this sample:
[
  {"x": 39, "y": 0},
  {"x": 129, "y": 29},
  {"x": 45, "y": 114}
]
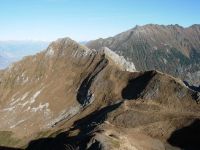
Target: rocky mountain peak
[
  {"x": 197, "y": 26},
  {"x": 70, "y": 96},
  {"x": 66, "y": 46}
]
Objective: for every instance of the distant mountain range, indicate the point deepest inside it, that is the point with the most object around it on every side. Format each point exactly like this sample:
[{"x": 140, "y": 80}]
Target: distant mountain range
[
  {"x": 171, "y": 49},
  {"x": 11, "y": 51}
]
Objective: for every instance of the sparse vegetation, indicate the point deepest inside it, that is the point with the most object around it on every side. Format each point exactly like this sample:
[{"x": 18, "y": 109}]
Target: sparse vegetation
[{"x": 7, "y": 139}]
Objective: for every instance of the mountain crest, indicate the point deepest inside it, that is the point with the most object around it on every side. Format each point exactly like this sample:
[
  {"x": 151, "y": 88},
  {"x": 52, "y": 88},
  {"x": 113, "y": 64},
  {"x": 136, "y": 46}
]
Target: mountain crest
[{"x": 66, "y": 46}]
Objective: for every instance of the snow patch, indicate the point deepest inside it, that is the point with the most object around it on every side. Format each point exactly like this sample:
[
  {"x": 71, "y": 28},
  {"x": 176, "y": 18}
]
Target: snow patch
[
  {"x": 9, "y": 109},
  {"x": 19, "y": 122},
  {"x": 40, "y": 107},
  {"x": 24, "y": 104},
  {"x": 33, "y": 98},
  {"x": 22, "y": 98},
  {"x": 14, "y": 101},
  {"x": 19, "y": 99}
]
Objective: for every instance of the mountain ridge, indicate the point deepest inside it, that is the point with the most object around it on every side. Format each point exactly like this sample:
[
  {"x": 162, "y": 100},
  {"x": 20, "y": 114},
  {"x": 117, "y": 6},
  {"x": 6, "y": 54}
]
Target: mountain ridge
[
  {"x": 70, "y": 96},
  {"x": 171, "y": 49}
]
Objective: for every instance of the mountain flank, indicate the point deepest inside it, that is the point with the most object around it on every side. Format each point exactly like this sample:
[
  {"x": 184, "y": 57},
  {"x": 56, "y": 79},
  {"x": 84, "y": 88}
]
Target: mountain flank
[
  {"x": 171, "y": 49},
  {"x": 73, "y": 97}
]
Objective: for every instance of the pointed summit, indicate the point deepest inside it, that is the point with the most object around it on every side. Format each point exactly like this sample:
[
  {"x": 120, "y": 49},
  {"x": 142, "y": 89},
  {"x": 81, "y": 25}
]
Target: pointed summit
[{"x": 66, "y": 47}]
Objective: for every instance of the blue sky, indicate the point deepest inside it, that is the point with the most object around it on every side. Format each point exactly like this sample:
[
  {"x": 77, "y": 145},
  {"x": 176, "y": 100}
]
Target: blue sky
[{"x": 89, "y": 19}]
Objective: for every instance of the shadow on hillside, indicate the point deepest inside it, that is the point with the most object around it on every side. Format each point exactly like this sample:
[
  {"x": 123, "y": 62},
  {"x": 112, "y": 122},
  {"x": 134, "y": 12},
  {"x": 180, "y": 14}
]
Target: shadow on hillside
[
  {"x": 7, "y": 148},
  {"x": 64, "y": 142},
  {"x": 60, "y": 142},
  {"x": 195, "y": 88},
  {"x": 137, "y": 85},
  {"x": 187, "y": 138},
  {"x": 83, "y": 94},
  {"x": 87, "y": 123}
]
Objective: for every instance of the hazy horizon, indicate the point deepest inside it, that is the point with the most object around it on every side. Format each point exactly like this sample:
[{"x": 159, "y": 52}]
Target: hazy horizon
[
  {"x": 48, "y": 41},
  {"x": 47, "y": 20}
]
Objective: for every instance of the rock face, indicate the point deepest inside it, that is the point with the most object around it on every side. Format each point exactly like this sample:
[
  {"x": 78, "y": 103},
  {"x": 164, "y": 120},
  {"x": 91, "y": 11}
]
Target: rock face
[
  {"x": 72, "y": 97},
  {"x": 171, "y": 49},
  {"x": 118, "y": 60}
]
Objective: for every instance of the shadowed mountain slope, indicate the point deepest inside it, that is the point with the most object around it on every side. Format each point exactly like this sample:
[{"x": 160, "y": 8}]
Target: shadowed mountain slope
[{"x": 72, "y": 97}]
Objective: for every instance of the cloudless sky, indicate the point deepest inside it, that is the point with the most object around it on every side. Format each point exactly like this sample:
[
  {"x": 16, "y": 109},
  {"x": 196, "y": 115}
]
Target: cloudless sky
[{"x": 84, "y": 20}]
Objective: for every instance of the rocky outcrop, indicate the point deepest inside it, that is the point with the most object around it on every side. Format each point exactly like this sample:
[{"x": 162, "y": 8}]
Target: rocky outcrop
[{"x": 118, "y": 60}]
